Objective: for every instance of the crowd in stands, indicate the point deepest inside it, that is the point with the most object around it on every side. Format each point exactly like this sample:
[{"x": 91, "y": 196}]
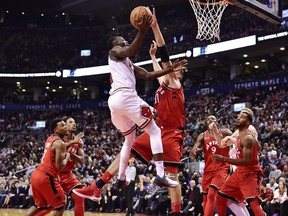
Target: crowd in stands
[
  {"x": 38, "y": 49},
  {"x": 22, "y": 148},
  {"x": 41, "y": 49}
]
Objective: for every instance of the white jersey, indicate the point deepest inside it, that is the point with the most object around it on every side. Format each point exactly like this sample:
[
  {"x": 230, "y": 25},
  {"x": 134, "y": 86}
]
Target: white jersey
[{"x": 122, "y": 74}]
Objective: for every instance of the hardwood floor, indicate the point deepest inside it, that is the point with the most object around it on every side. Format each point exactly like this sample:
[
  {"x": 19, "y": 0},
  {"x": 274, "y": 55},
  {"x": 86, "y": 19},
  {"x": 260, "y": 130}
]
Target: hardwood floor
[{"x": 21, "y": 212}]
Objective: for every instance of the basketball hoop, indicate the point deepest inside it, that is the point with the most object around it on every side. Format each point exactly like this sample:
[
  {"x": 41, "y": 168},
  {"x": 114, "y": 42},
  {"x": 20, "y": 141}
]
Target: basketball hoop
[{"x": 208, "y": 14}]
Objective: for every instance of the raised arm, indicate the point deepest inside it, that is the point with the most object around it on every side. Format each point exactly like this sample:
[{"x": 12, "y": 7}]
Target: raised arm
[
  {"x": 131, "y": 50},
  {"x": 199, "y": 143},
  {"x": 144, "y": 74},
  {"x": 79, "y": 156},
  {"x": 59, "y": 148},
  {"x": 248, "y": 142}
]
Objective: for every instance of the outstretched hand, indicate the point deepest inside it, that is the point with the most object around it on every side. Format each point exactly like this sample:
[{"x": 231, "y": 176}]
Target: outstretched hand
[
  {"x": 145, "y": 23},
  {"x": 227, "y": 141},
  {"x": 154, "y": 23},
  {"x": 78, "y": 137},
  {"x": 179, "y": 65},
  {"x": 153, "y": 48},
  {"x": 214, "y": 129}
]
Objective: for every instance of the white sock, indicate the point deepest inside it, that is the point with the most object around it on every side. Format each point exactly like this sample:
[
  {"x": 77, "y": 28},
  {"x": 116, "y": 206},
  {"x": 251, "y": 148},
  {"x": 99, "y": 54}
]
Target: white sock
[{"x": 159, "y": 168}]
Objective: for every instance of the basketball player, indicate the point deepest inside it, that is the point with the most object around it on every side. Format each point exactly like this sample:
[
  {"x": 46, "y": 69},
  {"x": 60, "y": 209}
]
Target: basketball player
[
  {"x": 127, "y": 108},
  {"x": 68, "y": 180},
  {"x": 172, "y": 130},
  {"x": 215, "y": 173},
  {"x": 169, "y": 98},
  {"x": 46, "y": 187},
  {"x": 244, "y": 183}
]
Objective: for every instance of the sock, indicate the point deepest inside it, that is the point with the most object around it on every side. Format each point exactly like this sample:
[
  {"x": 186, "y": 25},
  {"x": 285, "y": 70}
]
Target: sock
[
  {"x": 221, "y": 205},
  {"x": 176, "y": 207},
  {"x": 159, "y": 168},
  {"x": 256, "y": 207},
  {"x": 79, "y": 208},
  {"x": 210, "y": 202},
  {"x": 104, "y": 179},
  {"x": 235, "y": 208}
]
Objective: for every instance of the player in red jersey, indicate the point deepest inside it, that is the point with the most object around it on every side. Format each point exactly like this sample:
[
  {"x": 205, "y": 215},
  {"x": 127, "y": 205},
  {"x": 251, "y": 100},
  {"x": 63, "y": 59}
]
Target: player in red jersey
[
  {"x": 169, "y": 99},
  {"x": 46, "y": 188},
  {"x": 244, "y": 183},
  {"x": 215, "y": 173},
  {"x": 68, "y": 180},
  {"x": 169, "y": 105}
]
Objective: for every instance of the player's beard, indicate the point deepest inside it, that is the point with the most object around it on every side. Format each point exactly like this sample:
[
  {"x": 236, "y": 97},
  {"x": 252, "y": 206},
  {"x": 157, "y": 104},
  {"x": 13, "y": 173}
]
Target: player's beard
[{"x": 237, "y": 126}]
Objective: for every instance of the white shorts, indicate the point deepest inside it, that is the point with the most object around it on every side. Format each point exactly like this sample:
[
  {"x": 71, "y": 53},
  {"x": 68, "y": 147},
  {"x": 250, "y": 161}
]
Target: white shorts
[{"x": 128, "y": 109}]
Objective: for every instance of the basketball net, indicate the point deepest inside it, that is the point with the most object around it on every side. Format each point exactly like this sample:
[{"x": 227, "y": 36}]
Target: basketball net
[{"x": 208, "y": 14}]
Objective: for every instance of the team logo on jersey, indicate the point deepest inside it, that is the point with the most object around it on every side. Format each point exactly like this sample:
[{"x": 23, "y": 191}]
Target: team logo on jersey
[
  {"x": 174, "y": 95},
  {"x": 211, "y": 144}
]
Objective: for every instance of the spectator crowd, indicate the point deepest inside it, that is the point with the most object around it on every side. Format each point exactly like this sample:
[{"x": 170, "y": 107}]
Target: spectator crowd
[{"x": 22, "y": 148}]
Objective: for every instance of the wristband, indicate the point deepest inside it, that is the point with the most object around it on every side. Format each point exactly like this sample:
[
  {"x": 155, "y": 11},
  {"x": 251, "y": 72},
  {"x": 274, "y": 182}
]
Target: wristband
[{"x": 164, "y": 53}]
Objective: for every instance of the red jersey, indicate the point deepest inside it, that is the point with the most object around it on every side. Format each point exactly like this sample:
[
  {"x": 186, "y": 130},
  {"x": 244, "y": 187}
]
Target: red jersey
[
  {"x": 169, "y": 104},
  {"x": 254, "y": 165},
  {"x": 71, "y": 163},
  {"x": 48, "y": 159},
  {"x": 211, "y": 147}
]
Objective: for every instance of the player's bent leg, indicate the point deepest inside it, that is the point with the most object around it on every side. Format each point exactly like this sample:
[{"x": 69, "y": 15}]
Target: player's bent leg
[
  {"x": 44, "y": 211},
  {"x": 221, "y": 205},
  {"x": 114, "y": 166},
  {"x": 125, "y": 154},
  {"x": 204, "y": 200},
  {"x": 237, "y": 208},
  {"x": 79, "y": 207},
  {"x": 32, "y": 211},
  {"x": 59, "y": 211},
  {"x": 175, "y": 193},
  {"x": 93, "y": 192},
  {"x": 210, "y": 203},
  {"x": 155, "y": 139},
  {"x": 256, "y": 207}
]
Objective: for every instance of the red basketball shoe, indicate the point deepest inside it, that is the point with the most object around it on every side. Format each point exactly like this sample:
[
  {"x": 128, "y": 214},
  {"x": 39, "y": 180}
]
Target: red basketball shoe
[{"x": 91, "y": 192}]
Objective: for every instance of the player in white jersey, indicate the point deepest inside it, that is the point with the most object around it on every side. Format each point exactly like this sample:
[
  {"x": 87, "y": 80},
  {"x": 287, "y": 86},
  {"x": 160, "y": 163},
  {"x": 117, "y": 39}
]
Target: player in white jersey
[{"x": 127, "y": 108}]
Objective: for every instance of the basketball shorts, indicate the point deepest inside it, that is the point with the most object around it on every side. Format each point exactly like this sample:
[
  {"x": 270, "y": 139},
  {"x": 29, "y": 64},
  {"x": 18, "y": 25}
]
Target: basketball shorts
[
  {"x": 128, "y": 109},
  {"x": 172, "y": 149},
  {"x": 69, "y": 181},
  {"x": 242, "y": 186},
  {"x": 214, "y": 179},
  {"x": 47, "y": 190}
]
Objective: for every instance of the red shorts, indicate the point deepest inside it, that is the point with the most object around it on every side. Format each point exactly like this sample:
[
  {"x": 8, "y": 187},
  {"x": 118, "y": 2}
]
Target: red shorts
[
  {"x": 172, "y": 149},
  {"x": 242, "y": 186},
  {"x": 68, "y": 181},
  {"x": 214, "y": 179},
  {"x": 47, "y": 190}
]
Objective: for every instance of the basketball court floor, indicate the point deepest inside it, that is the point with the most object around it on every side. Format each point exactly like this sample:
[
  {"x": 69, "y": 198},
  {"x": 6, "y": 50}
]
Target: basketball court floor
[{"x": 21, "y": 212}]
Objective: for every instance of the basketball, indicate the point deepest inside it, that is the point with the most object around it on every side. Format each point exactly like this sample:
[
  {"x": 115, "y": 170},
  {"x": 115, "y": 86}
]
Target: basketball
[{"x": 138, "y": 14}]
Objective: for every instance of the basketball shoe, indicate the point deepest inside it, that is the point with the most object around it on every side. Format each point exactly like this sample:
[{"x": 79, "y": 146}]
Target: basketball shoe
[
  {"x": 91, "y": 192},
  {"x": 119, "y": 184},
  {"x": 165, "y": 182}
]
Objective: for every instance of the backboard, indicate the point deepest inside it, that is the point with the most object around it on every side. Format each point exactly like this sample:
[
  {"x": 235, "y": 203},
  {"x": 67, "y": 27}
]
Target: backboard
[{"x": 269, "y": 10}]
